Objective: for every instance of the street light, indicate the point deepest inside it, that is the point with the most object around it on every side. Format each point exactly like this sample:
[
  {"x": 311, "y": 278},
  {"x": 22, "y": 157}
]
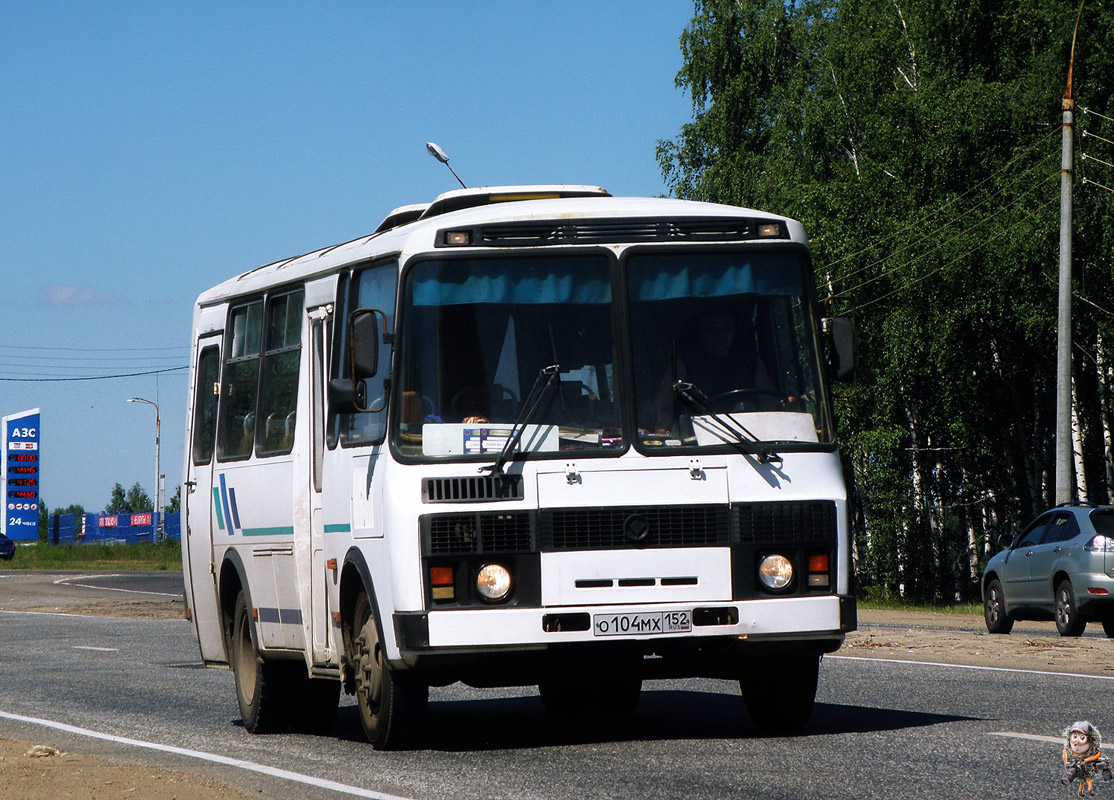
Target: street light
[{"x": 158, "y": 491}]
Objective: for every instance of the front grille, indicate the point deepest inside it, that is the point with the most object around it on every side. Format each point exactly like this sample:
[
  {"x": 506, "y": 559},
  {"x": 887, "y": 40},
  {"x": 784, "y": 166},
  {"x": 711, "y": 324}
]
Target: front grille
[
  {"x": 618, "y": 528},
  {"x": 489, "y": 532},
  {"x": 614, "y": 231},
  {"x": 464, "y": 534},
  {"x": 472, "y": 489},
  {"x": 785, "y": 523}
]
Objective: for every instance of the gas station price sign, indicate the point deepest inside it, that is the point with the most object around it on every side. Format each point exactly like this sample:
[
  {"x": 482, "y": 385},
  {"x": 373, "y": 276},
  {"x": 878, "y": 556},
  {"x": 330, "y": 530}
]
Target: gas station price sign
[{"x": 20, "y": 468}]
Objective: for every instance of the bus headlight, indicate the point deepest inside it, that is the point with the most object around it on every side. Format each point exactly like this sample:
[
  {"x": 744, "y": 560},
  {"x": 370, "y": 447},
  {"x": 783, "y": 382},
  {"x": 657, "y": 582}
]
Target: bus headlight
[
  {"x": 493, "y": 582},
  {"x": 775, "y": 572}
]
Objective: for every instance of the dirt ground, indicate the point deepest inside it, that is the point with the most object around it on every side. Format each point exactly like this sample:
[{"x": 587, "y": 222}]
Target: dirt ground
[
  {"x": 34, "y": 771},
  {"x": 31, "y": 768},
  {"x": 963, "y": 639}
]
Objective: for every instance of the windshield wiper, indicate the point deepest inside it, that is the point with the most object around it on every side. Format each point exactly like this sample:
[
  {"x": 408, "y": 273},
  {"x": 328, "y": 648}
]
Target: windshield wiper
[
  {"x": 692, "y": 395},
  {"x": 526, "y": 413}
]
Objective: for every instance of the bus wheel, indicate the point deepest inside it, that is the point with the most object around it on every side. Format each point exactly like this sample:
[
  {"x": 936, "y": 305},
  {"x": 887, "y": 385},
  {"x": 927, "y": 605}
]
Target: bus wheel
[
  {"x": 259, "y": 684},
  {"x": 779, "y": 692},
  {"x": 389, "y": 702}
]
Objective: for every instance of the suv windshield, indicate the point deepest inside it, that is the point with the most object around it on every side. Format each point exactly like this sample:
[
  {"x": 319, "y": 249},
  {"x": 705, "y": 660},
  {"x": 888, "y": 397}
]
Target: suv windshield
[
  {"x": 728, "y": 335},
  {"x": 477, "y": 332}
]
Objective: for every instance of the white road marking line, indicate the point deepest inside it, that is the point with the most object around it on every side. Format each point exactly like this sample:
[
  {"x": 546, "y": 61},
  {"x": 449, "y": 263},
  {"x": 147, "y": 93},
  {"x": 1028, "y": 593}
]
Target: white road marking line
[
  {"x": 84, "y": 616},
  {"x": 251, "y": 766},
  {"x": 84, "y": 577},
  {"x": 969, "y": 666},
  {"x": 98, "y": 649},
  {"x": 1031, "y": 737},
  {"x": 66, "y": 581}
]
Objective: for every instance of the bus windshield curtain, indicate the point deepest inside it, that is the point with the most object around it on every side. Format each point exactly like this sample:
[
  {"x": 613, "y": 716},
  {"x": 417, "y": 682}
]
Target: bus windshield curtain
[
  {"x": 514, "y": 281},
  {"x": 705, "y": 275}
]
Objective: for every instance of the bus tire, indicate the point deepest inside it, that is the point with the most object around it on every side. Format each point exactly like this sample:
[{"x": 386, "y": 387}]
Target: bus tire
[
  {"x": 390, "y": 703},
  {"x": 779, "y": 692},
  {"x": 260, "y": 684}
]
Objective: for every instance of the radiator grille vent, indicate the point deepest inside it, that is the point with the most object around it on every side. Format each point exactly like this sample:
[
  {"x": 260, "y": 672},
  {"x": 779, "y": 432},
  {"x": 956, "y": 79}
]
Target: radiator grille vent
[
  {"x": 614, "y": 528},
  {"x": 770, "y": 523},
  {"x": 472, "y": 489},
  {"x": 614, "y": 231},
  {"x": 462, "y": 534}
]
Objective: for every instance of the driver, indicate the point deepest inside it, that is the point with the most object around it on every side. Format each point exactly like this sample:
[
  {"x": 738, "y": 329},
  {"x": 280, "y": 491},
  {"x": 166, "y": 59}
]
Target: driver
[{"x": 717, "y": 355}]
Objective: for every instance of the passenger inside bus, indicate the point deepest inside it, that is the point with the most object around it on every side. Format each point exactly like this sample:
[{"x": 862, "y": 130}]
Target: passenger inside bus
[{"x": 719, "y": 352}]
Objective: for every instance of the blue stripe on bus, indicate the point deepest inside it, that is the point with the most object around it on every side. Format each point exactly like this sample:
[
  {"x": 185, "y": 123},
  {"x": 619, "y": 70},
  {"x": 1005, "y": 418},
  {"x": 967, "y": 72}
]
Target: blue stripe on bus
[
  {"x": 224, "y": 501},
  {"x": 276, "y": 530},
  {"x": 282, "y": 616},
  {"x": 235, "y": 511}
]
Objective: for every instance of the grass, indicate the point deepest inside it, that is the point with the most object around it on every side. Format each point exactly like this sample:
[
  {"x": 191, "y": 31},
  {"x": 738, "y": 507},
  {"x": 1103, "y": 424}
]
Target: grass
[
  {"x": 890, "y": 604},
  {"x": 166, "y": 555}
]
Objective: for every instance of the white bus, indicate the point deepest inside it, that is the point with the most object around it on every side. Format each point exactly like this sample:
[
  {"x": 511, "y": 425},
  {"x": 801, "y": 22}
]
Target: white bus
[{"x": 519, "y": 436}]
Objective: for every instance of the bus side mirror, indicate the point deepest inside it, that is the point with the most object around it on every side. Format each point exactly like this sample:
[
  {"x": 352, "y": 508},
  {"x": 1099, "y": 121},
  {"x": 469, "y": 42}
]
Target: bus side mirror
[
  {"x": 363, "y": 339},
  {"x": 844, "y": 346},
  {"x": 347, "y": 396}
]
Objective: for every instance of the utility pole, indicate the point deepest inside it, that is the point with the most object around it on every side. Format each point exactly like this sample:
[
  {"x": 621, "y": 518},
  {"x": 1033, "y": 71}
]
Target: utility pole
[{"x": 1065, "y": 471}]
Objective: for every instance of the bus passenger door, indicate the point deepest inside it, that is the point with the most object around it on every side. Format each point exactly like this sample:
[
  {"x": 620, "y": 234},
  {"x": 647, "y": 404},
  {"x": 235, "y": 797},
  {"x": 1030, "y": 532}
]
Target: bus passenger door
[
  {"x": 319, "y": 575},
  {"x": 197, "y": 500}
]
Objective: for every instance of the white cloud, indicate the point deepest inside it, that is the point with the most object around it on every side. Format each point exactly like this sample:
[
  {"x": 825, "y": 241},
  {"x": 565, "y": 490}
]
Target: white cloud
[{"x": 57, "y": 295}]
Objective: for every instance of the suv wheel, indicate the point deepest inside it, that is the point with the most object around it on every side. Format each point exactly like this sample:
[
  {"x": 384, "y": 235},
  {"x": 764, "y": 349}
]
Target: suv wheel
[
  {"x": 1068, "y": 621},
  {"x": 994, "y": 609}
]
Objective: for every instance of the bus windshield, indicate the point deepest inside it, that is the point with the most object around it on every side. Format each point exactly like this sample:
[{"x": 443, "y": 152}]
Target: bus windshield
[
  {"x": 724, "y": 337},
  {"x": 477, "y": 333}
]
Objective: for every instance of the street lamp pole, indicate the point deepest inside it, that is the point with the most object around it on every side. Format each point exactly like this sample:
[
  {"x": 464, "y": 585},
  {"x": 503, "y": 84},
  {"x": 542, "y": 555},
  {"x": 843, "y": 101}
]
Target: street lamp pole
[{"x": 158, "y": 493}]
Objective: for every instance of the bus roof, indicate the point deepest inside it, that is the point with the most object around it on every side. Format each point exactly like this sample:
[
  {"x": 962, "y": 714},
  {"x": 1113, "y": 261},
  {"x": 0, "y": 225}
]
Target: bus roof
[{"x": 413, "y": 228}]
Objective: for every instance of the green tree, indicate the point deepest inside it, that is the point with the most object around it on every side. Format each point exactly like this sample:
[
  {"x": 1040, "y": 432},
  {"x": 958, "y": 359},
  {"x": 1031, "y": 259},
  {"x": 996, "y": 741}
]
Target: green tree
[
  {"x": 137, "y": 500},
  {"x": 919, "y": 144},
  {"x": 175, "y": 503},
  {"x": 44, "y": 520},
  {"x": 117, "y": 502}
]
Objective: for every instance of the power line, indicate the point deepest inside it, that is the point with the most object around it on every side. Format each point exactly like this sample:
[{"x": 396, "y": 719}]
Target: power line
[
  {"x": 932, "y": 272},
  {"x": 939, "y": 244},
  {"x": 94, "y": 377},
  {"x": 94, "y": 349},
  {"x": 931, "y": 233},
  {"x": 1096, "y": 183},
  {"x": 46, "y": 360},
  {"x": 942, "y": 208}
]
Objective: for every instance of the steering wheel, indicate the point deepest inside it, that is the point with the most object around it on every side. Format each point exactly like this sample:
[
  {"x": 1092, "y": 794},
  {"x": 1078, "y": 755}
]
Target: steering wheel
[
  {"x": 735, "y": 399},
  {"x": 496, "y": 393}
]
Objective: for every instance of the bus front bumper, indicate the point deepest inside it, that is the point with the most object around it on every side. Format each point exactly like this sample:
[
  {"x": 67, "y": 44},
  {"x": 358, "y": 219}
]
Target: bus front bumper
[{"x": 793, "y": 618}]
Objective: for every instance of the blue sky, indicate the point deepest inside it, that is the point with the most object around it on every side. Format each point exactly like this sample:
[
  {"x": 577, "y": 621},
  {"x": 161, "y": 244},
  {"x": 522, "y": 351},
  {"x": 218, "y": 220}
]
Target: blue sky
[{"x": 151, "y": 150}]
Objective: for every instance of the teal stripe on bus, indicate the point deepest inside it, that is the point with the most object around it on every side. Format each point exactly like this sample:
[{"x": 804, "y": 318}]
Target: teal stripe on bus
[
  {"x": 342, "y": 527},
  {"x": 278, "y": 530},
  {"x": 216, "y": 505}
]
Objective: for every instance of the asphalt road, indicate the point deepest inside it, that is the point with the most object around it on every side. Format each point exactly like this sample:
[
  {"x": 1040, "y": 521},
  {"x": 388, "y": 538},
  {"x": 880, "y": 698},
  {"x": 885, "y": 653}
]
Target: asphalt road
[{"x": 881, "y": 729}]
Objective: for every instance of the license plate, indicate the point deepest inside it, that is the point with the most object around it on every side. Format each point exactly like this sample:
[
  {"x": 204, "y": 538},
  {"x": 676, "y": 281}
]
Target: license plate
[{"x": 642, "y": 624}]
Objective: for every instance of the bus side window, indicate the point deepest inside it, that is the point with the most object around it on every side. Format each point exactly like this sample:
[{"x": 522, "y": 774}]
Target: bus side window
[
  {"x": 205, "y": 405},
  {"x": 372, "y": 288},
  {"x": 281, "y": 357},
  {"x": 236, "y": 428}
]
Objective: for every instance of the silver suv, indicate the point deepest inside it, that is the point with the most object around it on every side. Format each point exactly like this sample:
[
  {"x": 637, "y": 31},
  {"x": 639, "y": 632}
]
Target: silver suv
[{"x": 1061, "y": 568}]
